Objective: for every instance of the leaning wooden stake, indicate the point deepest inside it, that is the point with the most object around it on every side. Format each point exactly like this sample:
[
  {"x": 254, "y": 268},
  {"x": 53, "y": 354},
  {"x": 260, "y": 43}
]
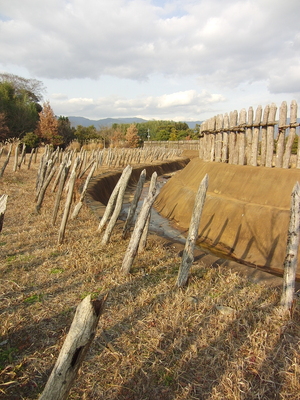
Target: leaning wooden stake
[
  {"x": 44, "y": 188},
  {"x": 138, "y": 230},
  {"x": 80, "y": 203},
  {"x": 6, "y": 161},
  {"x": 291, "y": 258},
  {"x": 3, "y": 201},
  {"x": 118, "y": 207},
  {"x": 75, "y": 348},
  {"x": 188, "y": 253},
  {"x": 134, "y": 203},
  {"x": 62, "y": 180},
  {"x": 111, "y": 202},
  {"x": 143, "y": 240},
  {"x": 65, "y": 217}
]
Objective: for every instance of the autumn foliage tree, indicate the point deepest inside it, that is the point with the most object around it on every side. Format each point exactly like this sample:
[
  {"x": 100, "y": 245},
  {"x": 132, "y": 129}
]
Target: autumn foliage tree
[
  {"x": 48, "y": 126},
  {"x": 132, "y": 137}
]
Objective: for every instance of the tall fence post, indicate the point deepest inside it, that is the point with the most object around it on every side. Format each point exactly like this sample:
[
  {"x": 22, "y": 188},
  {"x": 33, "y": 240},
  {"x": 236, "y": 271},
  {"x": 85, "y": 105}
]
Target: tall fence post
[
  {"x": 292, "y": 134},
  {"x": 188, "y": 253},
  {"x": 291, "y": 259},
  {"x": 281, "y": 134}
]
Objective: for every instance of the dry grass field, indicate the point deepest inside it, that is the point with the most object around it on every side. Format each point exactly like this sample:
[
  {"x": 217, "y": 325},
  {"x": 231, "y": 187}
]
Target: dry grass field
[{"x": 222, "y": 337}]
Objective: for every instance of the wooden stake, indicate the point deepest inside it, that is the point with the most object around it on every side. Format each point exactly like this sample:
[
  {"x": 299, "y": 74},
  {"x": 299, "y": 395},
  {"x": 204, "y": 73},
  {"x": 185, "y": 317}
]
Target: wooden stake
[
  {"x": 188, "y": 253},
  {"x": 291, "y": 259},
  {"x": 80, "y": 203},
  {"x": 138, "y": 230},
  {"x": 61, "y": 233},
  {"x": 111, "y": 202},
  {"x": 143, "y": 239},
  {"x": 118, "y": 207},
  {"x": 3, "y": 201},
  {"x": 6, "y": 161},
  {"x": 74, "y": 349},
  {"x": 134, "y": 204}
]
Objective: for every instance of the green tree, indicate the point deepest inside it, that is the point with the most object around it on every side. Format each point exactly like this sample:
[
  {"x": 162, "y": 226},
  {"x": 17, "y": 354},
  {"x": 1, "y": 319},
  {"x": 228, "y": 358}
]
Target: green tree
[
  {"x": 65, "y": 130},
  {"x": 31, "y": 140},
  {"x": 84, "y": 134},
  {"x": 20, "y": 111}
]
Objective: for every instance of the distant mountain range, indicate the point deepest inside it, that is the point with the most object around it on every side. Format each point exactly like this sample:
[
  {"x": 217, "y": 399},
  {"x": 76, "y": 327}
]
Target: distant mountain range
[{"x": 75, "y": 121}]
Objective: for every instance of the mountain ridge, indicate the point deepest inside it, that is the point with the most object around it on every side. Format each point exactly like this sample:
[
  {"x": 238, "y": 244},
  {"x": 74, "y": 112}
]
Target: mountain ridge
[{"x": 75, "y": 121}]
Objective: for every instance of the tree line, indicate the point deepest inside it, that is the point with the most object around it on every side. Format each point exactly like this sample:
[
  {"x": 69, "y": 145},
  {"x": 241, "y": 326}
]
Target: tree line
[{"x": 23, "y": 116}]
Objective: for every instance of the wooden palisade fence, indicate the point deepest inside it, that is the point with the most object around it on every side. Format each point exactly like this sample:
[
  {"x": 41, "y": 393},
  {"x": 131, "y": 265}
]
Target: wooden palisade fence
[{"x": 248, "y": 139}]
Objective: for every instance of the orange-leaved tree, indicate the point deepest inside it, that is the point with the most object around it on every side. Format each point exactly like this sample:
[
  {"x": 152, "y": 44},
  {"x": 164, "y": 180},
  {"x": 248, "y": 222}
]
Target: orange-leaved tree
[
  {"x": 47, "y": 128},
  {"x": 132, "y": 136}
]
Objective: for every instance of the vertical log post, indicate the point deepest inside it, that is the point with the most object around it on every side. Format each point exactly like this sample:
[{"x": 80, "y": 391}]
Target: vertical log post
[
  {"x": 188, "y": 253},
  {"x": 233, "y": 154},
  {"x": 138, "y": 231},
  {"x": 263, "y": 149},
  {"x": 249, "y": 136},
  {"x": 270, "y": 135},
  {"x": 281, "y": 134},
  {"x": 291, "y": 259},
  {"x": 292, "y": 134},
  {"x": 255, "y": 138},
  {"x": 134, "y": 203},
  {"x": 218, "y": 145},
  {"x": 74, "y": 349},
  {"x": 225, "y": 139},
  {"x": 241, "y": 137}
]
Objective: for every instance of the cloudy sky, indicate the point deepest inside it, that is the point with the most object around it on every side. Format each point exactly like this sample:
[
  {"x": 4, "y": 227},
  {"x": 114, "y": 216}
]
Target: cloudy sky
[{"x": 155, "y": 59}]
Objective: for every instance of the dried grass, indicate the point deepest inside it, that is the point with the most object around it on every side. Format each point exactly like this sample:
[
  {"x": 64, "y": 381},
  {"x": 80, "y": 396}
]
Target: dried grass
[{"x": 153, "y": 341}]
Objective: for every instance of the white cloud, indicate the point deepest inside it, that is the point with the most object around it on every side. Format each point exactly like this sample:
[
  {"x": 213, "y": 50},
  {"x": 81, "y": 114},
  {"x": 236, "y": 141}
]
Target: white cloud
[{"x": 207, "y": 46}]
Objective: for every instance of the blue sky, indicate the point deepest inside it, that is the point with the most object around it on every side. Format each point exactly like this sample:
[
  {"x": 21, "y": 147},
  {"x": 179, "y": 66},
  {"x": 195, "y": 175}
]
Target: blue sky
[{"x": 180, "y": 60}]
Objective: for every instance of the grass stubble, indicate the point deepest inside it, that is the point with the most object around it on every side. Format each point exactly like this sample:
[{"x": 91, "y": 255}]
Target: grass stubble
[{"x": 222, "y": 337}]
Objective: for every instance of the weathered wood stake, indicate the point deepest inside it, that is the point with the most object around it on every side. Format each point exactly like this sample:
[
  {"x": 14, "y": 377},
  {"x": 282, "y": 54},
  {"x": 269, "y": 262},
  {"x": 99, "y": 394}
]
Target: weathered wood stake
[
  {"x": 134, "y": 203},
  {"x": 143, "y": 240},
  {"x": 138, "y": 230},
  {"x": 3, "y": 201},
  {"x": 6, "y": 161},
  {"x": 111, "y": 202},
  {"x": 74, "y": 349},
  {"x": 188, "y": 253},
  {"x": 72, "y": 180},
  {"x": 118, "y": 207},
  {"x": 80, "y": 203},
  {"x": 291, "y": 259}
]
